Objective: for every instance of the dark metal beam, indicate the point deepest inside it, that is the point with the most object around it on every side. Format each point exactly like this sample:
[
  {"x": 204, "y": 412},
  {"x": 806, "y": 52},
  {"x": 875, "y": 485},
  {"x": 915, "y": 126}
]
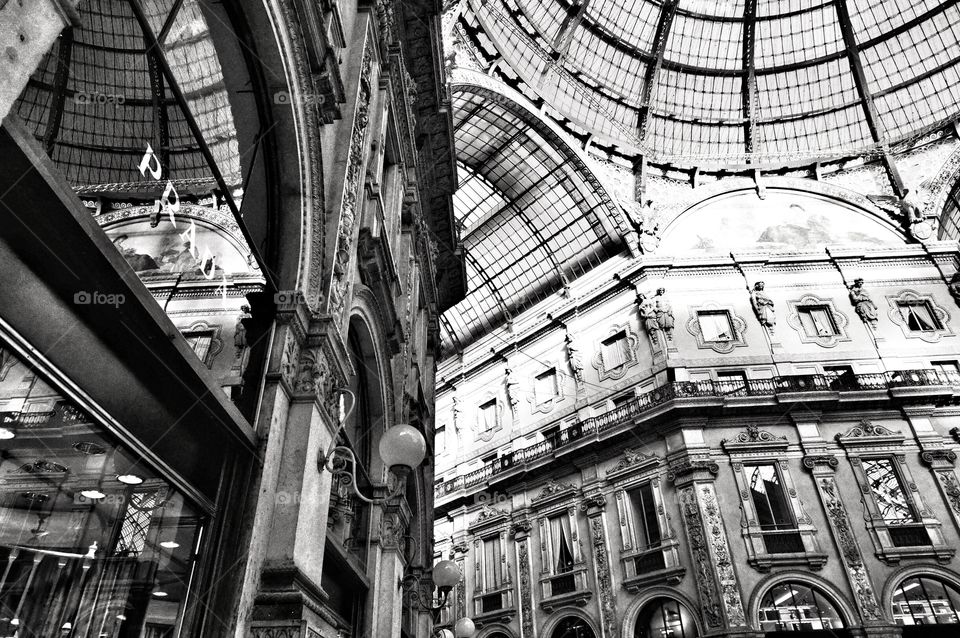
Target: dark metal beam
[
  {"x": 59, "y": 91},
  {"x": 161, "y": 118},
  {"x": 869, "y": 108},
  {"x": 749, "y": 85},
  {"x": 575, "y": 15},
  {"x": 664, "y": 22}
]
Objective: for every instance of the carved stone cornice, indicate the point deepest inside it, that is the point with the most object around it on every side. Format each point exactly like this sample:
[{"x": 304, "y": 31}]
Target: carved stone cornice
[
  {"x": 553, "y": 491},
  {"x": 633, "y": 462},
  {"x": 867, "y": 434},
  {"x": 687, "y": 469},
  {"x": 323, "y": 365},
  {"x": 753, "y": 439},
  {"x": 488, "y": 517}
]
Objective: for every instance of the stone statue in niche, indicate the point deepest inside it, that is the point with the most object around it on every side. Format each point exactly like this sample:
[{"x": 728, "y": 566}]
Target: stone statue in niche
[
  {"x": 513, "y": 390},
  {"x": 664, "y": 313},
  {"x": 863, "y": 304},
  {"x": 648, "y": 317},
  {"x": 954, "y": 287},
  {"x": 240, "y": 339},
  {"x": 763, "y": 306},
  {"x": 576, "y": 359}
]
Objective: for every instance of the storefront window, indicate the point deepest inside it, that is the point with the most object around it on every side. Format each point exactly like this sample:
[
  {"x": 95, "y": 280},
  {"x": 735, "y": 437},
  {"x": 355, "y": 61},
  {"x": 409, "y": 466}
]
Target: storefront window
[
  {"x": 797, "y": 607},
  {"x": 926, "y": 601},
  {"x": 93, "y": 541}
]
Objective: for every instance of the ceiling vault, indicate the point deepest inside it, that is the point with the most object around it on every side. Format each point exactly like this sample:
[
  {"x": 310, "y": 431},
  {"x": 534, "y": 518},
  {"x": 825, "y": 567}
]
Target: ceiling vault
[{"x": 664, "y": 22}]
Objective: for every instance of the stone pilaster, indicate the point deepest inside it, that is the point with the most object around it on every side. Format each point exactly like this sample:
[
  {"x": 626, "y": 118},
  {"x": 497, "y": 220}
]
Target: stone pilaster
[
  {"x": 520, "y": 530},
  {"x": 594, "y": 505},
  {"x": 716, "y": 578},
  {"x": 822, "y": 467}
]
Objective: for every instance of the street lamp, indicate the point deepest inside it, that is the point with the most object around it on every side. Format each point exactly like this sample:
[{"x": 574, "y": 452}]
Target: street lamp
[
  {"x": 402, "y": 448},
  {"x": 445, "y": 575}
]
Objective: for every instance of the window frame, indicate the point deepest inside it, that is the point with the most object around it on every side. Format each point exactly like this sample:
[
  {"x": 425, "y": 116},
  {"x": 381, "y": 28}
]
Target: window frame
[
  {"x": 737, "y": 324},
  {"x": 938, "y": 313},
  {"x": 752, "y": 448},
  {"x": 867, "y": 441},
  {"x": 839, "y": 321},
  {"x": 630, "y": 341}
]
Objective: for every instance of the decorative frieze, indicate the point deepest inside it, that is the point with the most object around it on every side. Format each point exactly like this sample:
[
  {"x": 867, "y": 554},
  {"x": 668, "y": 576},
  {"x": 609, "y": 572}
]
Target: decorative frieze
[
  {"x": 524, "y": 569},
  {"x": 356, "y": 156},
  {"x": 697, "y": 541},
  {"x": 689, "y": 469},
  {"x": 606, "y": 599}
]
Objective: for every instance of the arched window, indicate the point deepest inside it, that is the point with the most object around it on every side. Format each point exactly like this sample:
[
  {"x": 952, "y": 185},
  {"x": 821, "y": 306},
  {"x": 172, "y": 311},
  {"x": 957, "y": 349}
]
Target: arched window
[
  {"x": 793, "y": 606},
  {"x": 573, "y": 627},
  {"x": 665, "y": 618},
  {"x": 922, "y": 600}
]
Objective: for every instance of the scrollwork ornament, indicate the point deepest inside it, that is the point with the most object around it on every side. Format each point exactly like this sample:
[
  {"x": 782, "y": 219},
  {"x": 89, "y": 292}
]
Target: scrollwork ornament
[{"x": 951, "y": 487}]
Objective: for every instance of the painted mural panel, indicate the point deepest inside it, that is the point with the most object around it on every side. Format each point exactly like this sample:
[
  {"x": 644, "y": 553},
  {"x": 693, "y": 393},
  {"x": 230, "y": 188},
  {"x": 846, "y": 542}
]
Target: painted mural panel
[{"x": 782, "y": 221}]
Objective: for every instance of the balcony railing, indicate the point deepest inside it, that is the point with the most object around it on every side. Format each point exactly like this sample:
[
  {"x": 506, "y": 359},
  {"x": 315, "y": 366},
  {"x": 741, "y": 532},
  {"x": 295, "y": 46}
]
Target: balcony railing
[{"x": 639, "y": 405}]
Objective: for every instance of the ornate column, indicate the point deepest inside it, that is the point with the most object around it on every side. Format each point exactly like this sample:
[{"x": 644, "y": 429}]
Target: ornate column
[
  {"x": 387, "y": 554},
  {"x": 594, "y": 505},
  {"x": 822, "y": 467},
  {"x": 716, "y": 579},
  {"x": 298, "y": 417},
  {"x": 940, "y": 462},
  {"x": 520, "y": 530}
]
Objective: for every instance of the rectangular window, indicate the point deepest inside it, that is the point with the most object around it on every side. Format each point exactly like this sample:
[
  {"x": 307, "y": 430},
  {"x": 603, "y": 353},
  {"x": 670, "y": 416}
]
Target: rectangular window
[
  {"x": 488, "y": 414},
  {"x": 561, "y": 539},
  {"x": 623, "y": 400},
  {"x": 817, "y": 321},
  {"x": 918, "y": 316},
  {"x": 769, "y": 498},
  {"x": 545, "y": 387},
  {"x": 949, "y": 371},
  {"x": 200, "y": 341},
  {"x": 732, "y": 381},
  {"x": 887, "y": 489},
  {"x": 492, "y": 563},
  {"x": 715, "y": 325},
  {"x": 614, "y": 351},
  {"x": 440, "y": 439},
  {"x": 646, "y": 523},
  {"x": 840, "y": 377}
]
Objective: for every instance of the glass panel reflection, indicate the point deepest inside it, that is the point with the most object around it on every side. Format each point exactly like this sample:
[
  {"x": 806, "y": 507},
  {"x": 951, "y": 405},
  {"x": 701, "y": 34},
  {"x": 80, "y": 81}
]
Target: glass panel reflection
[
  {"x": 93, "y": 542},
  {"x": 926, "y": 601},
  {"x": 796, "y": 607}
]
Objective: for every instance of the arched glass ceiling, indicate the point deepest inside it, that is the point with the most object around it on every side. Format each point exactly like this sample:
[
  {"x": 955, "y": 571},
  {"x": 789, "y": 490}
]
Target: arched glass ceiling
[
  {"x": 530, "y": 214},
  {"x": 98, "y": 98},
  {"x": 696, "y": 82}
]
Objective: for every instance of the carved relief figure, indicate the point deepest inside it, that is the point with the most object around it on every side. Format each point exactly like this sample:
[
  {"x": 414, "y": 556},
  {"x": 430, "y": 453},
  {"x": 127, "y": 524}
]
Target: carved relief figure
[
  {"x": 763, "y": 306},
  {"x": 456, "y": 414},
  {"x": 240, "y": 339},
  {"x": 513, "y": 390},
  {"x": 664, "y": 313},
  {"x": 866, "y": 309},
  {"x": 576, "y": 359}
]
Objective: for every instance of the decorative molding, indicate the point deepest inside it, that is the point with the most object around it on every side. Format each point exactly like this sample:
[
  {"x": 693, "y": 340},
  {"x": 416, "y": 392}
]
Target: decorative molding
[
  {"x": 631, "y": 351},
  {"x": 488, "y": 516},
  {"x": 216, "y": 342},
  {"x": 690, "y": 468},
  {"x": 840, "y": 321},
  {"x": 938, "y": 457},
  {"x": 480, "y": 429},
  {"x": 633, "y": 462},
  {"x": 951, "y": 490},
  {"x": 607, "y": 600},
  {"x": 553, "y": 491},
  {"x": 546, "y": 404},
  {"x": 356, "y": 157},
  {"x": 526, "y": 592},
  {"x": 754, "y": 439},
  {"x": 939, "y": 312},
  {"x": 737, "y": 324},
  {"x": 811, "y": 462},
  {"x": 866, "y": 434},
  {"x": 704, "y": 568},
  {"x": 593, "y": 504}
]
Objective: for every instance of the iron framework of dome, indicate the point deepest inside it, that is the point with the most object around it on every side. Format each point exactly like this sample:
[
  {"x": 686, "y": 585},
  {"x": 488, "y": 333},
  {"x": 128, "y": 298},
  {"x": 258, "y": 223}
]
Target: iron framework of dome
[
  {"x": 730, "y": 82},
  {"x": 531, "y": 215}
]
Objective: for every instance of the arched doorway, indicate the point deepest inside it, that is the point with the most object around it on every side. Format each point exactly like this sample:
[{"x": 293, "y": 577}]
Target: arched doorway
[
  {"x": 665, "y": 618},
  {"x": 573, "y": 627},
  {"x": 926, "y": 606},
  {"x": 791, "y": 607}
]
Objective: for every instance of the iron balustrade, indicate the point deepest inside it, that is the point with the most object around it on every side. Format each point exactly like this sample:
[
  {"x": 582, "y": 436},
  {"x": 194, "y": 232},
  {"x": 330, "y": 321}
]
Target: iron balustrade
[{"x": 637, "y": 406}]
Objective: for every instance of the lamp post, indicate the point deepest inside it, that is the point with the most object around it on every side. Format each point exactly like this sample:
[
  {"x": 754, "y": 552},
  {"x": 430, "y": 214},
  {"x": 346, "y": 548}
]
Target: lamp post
[
  {"x": 402, "y": 448},
  {"x": 446, "y": 574}
]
